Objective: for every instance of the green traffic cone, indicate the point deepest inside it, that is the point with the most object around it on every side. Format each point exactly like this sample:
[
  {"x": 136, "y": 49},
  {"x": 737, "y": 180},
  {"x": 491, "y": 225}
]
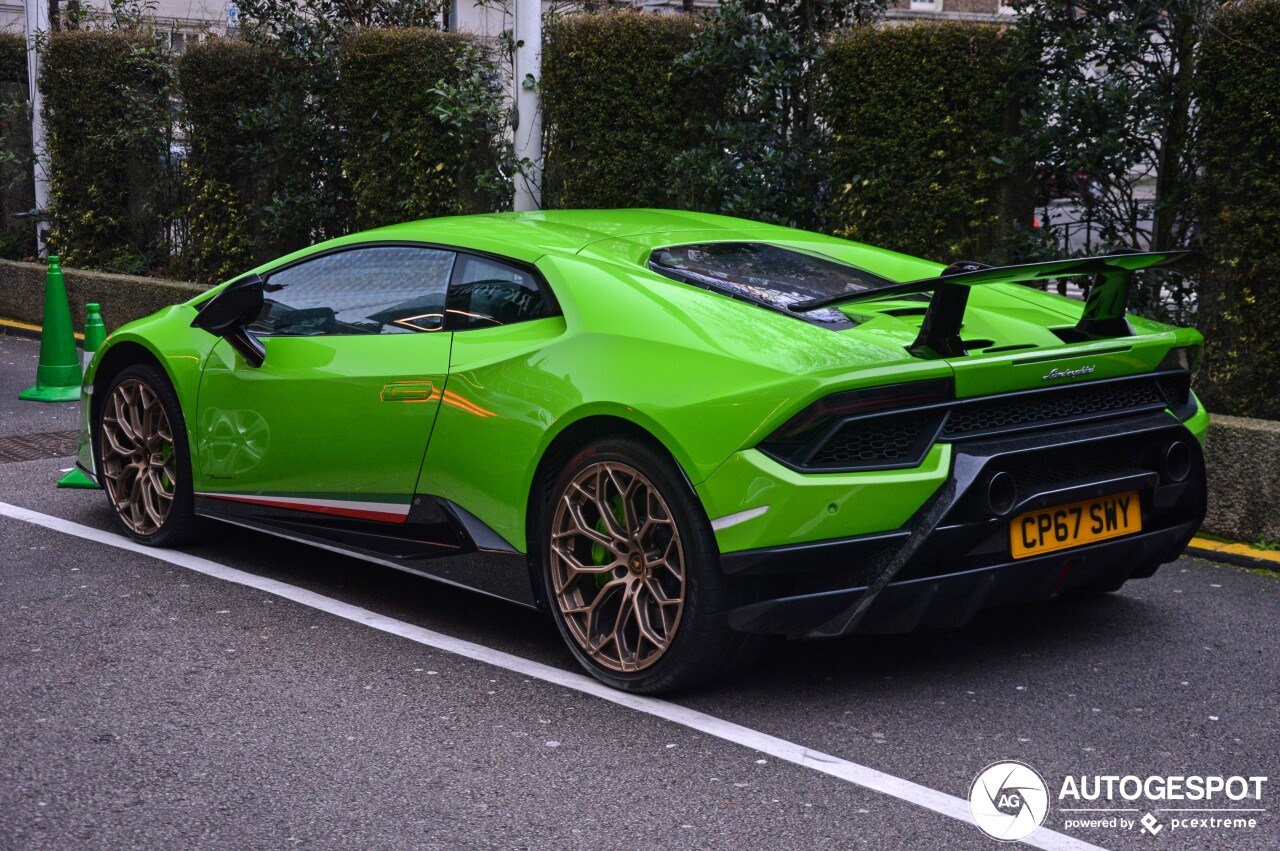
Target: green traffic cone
[
  {"x": 95, "y": 333},
  {"x": 58, "y": 375},
  {"x": 76, "y": 480}
]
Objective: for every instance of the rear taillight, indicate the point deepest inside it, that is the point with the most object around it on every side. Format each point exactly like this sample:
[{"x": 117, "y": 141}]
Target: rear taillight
[
  {"x": 873, "y": 428},
  {"x": 851, "y": 403},
  {"x": 1183, "y": 357}
]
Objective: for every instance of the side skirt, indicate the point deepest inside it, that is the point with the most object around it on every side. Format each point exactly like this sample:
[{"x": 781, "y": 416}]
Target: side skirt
[{"x": 438, "y": 540}]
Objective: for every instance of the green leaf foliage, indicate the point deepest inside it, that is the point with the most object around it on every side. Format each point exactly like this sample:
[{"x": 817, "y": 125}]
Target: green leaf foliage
[
  {"x": 919, "y": 116},
  {"x": 13, "y": 58},
  {"x": 1239, "y": 95},
  {"x": 614, "y": 112},
  {"x": 17, "y": 195},
  {"x": 237, "y": 164},
  {"x": 108, "y": 119},
  {"x": 424, "y": 116},
  {"x": 763, "y": 137},
  {"x": 1110, "y": 129}
]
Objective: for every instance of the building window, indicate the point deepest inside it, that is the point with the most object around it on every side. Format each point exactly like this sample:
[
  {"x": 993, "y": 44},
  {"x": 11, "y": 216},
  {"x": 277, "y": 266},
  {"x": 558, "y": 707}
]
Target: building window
[
  {"x": 180, "y": 41},
  {"x": 926, "y": 5}
]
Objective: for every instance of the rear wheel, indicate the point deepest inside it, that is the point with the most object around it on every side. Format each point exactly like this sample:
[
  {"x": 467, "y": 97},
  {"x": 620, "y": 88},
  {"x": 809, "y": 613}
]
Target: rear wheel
[
  {"x": 631, "y": 571},
  {"x": 143, "y": 459}
]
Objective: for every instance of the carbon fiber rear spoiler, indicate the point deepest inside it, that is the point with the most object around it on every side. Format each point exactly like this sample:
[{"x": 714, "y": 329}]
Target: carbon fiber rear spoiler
[{"x": 940, "y": 331}]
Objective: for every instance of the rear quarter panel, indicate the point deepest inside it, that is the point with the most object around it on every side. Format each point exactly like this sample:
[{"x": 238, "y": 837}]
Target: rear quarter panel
[{"x": 704, "y": 374}]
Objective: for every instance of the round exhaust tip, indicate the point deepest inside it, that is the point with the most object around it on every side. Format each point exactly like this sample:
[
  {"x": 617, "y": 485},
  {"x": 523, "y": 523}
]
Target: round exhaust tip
[
  {"x": 1002, "y": 493},
  {"x": 1177, "y": 461}
]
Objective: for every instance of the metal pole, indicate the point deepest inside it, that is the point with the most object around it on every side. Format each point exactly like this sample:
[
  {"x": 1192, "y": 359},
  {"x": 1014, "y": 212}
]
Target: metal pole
[
  {"x": 37, "y": 31},
  {"x": 528, "y": 124}
]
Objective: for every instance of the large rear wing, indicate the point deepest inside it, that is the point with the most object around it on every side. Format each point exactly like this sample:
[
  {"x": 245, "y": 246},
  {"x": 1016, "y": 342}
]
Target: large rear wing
[{"x": 940, "y": 331}]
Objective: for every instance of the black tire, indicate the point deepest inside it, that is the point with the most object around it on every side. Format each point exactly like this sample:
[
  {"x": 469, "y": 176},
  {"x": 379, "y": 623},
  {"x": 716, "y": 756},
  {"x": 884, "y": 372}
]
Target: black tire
[
  {"x": 179, "y": 524},
  {"x": 701, "y": 645}
]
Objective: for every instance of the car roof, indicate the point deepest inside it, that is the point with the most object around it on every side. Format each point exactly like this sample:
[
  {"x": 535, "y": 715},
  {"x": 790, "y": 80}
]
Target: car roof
[{"x": 527, "y": 236}]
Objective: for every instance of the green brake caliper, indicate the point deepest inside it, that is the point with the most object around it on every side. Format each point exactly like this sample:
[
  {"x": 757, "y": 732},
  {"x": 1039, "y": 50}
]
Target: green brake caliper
[{"x": 600, "y": 553}]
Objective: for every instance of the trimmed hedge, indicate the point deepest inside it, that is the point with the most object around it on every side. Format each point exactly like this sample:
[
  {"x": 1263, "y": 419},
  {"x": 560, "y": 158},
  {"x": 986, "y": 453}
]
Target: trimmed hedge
[
  {"x": 1239, "y": 91},
  {"x": 614, "y": 116},
  {"x": 236, "y": 163},
  {"x": 107, "y": 114},
  {"x": 423, "y": 111},
  {"x": 920, "y": 116},
  {"x": 13, "y": 58},
  {"x": 17, "y": 194}
]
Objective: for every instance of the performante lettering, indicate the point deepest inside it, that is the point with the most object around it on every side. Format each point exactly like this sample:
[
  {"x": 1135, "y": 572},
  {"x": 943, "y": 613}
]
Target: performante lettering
[{"x": 1068, "y": 373}]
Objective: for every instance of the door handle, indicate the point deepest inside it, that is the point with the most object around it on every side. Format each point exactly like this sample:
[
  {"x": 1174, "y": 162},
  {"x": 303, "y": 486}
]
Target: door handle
[{"x": 408, "y": 391}]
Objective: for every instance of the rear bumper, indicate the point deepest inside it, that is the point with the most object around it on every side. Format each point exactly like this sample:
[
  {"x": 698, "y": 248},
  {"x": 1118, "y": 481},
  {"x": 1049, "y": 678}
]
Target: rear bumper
[{"x": 952, "y": 558}]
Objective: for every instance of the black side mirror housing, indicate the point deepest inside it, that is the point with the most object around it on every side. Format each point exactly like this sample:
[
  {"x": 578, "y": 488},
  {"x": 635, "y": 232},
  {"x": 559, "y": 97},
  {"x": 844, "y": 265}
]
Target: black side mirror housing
[{"x": 228, "y": 314}]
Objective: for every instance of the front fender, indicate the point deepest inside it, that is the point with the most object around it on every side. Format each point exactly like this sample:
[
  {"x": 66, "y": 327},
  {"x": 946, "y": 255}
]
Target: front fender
[{"x": 165, "y": 338}]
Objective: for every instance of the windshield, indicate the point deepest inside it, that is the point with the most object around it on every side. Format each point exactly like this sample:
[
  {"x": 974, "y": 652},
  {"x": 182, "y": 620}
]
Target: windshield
[{"x": 764, "y": 273}]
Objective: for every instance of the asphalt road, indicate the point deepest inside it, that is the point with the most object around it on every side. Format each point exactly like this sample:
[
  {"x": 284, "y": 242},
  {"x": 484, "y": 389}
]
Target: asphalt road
[
  {"x": 146, "y": 706},
  {"x": 19, "y": 357}
]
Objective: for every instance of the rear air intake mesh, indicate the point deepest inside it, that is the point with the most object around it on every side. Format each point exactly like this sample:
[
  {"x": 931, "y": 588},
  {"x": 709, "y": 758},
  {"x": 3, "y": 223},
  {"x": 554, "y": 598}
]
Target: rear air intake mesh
[
  {"x": 1005, "y": 414},
  {"x": 903, "y": 438},
  {"x": 878, "y": 440}
]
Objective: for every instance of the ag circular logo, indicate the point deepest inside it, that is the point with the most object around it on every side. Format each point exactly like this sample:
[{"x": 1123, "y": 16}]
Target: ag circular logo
[{"x": 1008, "y": 801}]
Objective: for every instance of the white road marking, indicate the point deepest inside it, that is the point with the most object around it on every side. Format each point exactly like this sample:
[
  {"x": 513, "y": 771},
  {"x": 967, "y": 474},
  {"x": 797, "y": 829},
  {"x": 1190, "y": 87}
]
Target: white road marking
[{"x": 851, "y": 772}]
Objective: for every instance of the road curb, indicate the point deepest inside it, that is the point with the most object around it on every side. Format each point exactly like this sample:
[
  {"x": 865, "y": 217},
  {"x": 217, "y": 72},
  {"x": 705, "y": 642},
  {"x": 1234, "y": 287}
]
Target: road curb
[
  {"x": 14, "y": 328},
  {"x": 1241, "y": 555}
]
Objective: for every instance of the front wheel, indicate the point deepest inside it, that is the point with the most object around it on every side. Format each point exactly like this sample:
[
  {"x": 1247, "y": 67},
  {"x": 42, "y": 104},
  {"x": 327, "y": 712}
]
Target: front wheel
[
  {"x": 143, "y": 459},
  {"x": 631, "y": 571}
]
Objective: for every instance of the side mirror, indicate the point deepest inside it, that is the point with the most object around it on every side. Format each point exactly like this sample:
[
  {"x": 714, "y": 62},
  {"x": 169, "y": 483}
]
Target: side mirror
[{"x": 228, "y": 314}]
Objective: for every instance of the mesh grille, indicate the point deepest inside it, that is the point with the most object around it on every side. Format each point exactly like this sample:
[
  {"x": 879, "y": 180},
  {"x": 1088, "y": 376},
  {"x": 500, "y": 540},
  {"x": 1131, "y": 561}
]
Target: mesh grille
[
  {"x": 1039, "y": 471},
  {"x": 903, "y": 438},
  {"x": 1174, "y": 389},
  {"x": 1000, "y": 414},
  {"x": 877, "y": 442}
]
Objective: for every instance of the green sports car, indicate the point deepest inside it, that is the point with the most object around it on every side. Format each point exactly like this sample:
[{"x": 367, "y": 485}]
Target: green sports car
[{"x": 676, "y": 433}]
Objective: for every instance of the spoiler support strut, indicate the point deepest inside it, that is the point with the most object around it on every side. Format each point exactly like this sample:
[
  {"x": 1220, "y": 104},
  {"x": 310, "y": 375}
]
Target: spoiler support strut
[{"x": 939, "y": 337}]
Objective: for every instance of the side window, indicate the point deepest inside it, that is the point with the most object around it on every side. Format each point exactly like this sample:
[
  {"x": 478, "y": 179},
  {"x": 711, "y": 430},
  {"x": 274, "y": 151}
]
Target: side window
[
  {"x": 376, "y": 290},
  {"x": 486, "y": 293}
]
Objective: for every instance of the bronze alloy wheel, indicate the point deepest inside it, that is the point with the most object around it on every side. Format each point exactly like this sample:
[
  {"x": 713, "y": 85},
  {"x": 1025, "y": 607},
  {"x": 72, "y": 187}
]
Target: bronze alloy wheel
[
  {"x": 617, "y": 566},
  {"x": 138, "y": 456}
]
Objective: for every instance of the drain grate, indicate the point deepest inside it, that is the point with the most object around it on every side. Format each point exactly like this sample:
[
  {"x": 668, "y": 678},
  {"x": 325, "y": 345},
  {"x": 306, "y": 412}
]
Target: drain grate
[{"x": 33, "y": 447}]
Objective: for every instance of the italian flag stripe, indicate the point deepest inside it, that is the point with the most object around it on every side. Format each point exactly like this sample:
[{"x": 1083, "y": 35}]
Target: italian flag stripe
[{"x": 385, "y": 512}]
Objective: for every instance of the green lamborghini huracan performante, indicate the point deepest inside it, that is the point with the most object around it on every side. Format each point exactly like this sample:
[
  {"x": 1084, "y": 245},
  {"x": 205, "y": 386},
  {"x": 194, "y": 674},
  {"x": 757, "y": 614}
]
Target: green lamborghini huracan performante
[{"x": 676, "y": 433}]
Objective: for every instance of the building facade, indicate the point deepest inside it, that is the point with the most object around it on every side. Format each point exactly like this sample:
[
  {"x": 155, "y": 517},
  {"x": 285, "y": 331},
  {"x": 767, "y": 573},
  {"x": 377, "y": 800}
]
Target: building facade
[
  {"x": 182, "y": 22},
  {"x": 961, "y": 10}
]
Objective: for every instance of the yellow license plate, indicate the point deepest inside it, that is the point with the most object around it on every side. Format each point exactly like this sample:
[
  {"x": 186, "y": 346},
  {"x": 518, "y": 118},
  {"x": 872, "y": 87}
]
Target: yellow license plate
[{"x": 1046, "y": 530}]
